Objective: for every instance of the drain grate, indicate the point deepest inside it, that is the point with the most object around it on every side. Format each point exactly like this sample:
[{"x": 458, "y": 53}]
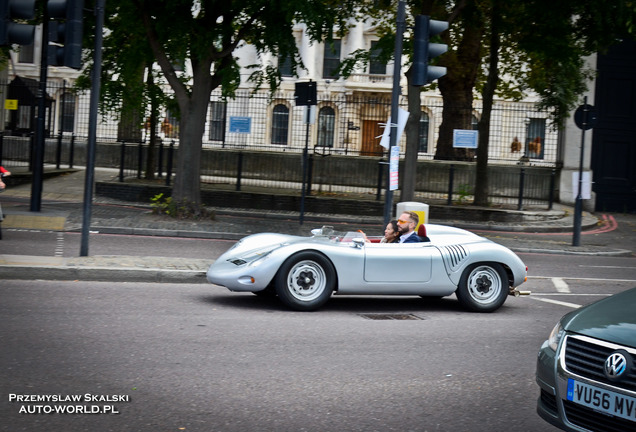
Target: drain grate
[{"x": 391, "y": 316}]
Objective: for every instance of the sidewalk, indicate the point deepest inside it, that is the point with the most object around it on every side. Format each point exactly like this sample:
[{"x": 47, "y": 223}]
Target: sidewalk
[{"x": 63, "y": 210}]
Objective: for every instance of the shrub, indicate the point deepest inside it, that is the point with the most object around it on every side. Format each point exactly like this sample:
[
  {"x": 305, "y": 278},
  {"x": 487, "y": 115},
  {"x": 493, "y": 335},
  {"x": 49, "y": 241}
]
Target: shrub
[{"x": 179, "y": 209}]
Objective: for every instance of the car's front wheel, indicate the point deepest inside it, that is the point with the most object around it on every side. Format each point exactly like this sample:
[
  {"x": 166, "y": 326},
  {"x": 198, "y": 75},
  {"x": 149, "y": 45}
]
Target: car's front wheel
[
  {"x": 305, "y": 281},
  {"x": 483, "y": 287}
]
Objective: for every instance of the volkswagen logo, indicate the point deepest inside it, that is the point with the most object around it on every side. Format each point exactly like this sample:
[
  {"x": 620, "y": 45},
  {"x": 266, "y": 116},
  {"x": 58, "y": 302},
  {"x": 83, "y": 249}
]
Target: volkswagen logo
[{"x": 615, "y": 365}]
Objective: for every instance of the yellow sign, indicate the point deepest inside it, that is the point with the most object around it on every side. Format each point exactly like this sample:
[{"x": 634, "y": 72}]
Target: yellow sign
[{"x": 11, "y": 104}]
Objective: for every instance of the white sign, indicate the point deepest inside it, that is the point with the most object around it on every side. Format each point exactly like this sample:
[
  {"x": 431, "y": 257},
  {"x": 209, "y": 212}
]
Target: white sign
[
  {"x": 309, "y": 116},
  {"x": 403, "y": 117},
  {"x": 586, "y": 185}
]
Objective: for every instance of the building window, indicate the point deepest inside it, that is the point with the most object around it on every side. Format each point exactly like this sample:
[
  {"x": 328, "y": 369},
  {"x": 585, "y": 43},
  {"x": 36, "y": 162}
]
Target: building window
[
  {"x": 376, "y": 67},
  {"x": 423, "y": 135},
  {"x": 217, "y": 121},
  {"x": 280, "y": 124},
  {"x": 67, "y": 112},
  {"x": 535, "y": 138},
  {"x": 26, "y": 54},
  {"x": 326, "y": 126},
  {"x": 285, "y": 66},
  {"x": 331, "y": 60}
]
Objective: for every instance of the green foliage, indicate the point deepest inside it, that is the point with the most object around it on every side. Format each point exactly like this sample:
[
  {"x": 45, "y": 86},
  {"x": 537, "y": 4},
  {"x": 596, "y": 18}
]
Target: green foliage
[
  {"x": 194, "y": 42},
  {"x": 543, "y": 43},
  {"x": 463, "y": 192},
  {"x": 179, "y": 209}
]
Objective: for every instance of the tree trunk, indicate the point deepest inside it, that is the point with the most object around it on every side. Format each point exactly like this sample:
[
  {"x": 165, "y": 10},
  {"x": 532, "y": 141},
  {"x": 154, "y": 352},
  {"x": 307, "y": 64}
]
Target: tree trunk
[
  {"x": 481, "y": 181},
  {"x": 187, "y": 187},
  {"x": 457, "y": 85},
  {"x": 193, "y": 109},
  {"x": 456, "y": 114}
]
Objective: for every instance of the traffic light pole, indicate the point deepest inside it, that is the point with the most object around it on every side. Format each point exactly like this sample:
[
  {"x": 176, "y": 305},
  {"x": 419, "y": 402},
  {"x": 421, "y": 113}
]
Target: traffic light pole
[
  {"x": 92, "y": 125},
  {"x": 395, "y": 103},
  {"x": 38, "y": 154}
]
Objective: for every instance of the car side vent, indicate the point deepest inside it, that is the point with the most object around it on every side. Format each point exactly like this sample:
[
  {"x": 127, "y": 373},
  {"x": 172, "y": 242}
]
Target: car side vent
[{"x": 454, "y": 255}]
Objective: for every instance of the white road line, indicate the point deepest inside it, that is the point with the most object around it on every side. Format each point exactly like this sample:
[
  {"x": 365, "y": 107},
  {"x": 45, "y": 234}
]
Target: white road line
[
  {"x": 608, "y": 267},
  {"x": 59, "y": 245},
  {"x": 569, "y": 294},
  {"x": 561, "y": 285},
  {"x": 584, "y": 279},
  {"x": 557, "y": 302}
]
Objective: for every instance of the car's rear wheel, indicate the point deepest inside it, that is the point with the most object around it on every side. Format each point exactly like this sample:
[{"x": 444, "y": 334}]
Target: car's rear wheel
[
  {"x": 305, "y": 281},
  {"x": 483, "y": 287}
]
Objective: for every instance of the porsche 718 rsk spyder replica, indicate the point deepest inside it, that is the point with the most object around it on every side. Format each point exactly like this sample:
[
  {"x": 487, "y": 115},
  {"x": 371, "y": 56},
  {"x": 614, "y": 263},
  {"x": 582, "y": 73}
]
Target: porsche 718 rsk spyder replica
[{"x": 305, "y": 271}]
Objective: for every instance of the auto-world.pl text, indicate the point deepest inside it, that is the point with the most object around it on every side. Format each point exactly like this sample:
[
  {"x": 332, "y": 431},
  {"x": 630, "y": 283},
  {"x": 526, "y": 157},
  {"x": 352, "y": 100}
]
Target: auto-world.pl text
[{"x": 87, "y": 403}]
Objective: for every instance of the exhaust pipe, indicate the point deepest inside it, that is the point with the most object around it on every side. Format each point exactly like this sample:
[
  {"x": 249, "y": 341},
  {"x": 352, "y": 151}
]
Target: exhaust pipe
[{"x": 515, "y": 292}]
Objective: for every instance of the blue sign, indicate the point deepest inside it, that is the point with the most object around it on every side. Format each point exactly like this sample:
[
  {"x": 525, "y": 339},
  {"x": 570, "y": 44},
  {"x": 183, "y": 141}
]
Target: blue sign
[
  {"x": 463, "y": 138},
  {"x": 240, "y": 124}
]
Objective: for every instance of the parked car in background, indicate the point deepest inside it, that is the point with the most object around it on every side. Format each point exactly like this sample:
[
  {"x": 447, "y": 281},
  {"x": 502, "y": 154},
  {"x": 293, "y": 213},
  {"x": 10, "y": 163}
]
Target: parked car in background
[
  {"x": 586, "y": 370},
  {"x": 305, "y": 271}
]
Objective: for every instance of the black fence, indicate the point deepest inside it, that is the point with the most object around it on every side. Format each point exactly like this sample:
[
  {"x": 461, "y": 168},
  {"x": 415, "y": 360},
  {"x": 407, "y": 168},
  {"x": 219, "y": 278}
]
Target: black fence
[
  {"x": 345, "y": 124},
  {"x": 363, "y": 177},
  {"x": 258, "y": 141}
]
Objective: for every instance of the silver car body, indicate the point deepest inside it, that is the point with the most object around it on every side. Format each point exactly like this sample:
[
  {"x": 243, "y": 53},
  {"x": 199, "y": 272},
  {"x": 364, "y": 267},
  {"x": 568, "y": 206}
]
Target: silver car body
[{"x": 428, "y": 268}]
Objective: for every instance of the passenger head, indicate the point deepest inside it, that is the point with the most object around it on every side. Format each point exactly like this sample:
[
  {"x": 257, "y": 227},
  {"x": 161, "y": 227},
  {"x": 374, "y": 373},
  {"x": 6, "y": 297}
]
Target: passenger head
[
  {"x": 408, "y": 221},
  {"x": 392, "y": 231}
]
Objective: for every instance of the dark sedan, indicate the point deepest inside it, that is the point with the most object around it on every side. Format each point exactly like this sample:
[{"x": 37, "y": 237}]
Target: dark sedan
[{"x": 587, "y": 368}]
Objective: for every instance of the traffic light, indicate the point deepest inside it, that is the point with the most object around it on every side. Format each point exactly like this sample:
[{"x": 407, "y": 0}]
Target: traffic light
[
  {"x": 12, "y": 32},
  {"x": 66, "y": 32},
  {"x": 423, "y": 51}
]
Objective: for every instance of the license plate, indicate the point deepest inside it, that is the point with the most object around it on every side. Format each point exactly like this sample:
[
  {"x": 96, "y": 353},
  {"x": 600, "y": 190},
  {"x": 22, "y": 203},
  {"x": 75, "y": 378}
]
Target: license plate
[{"x": 606, "y": 401}]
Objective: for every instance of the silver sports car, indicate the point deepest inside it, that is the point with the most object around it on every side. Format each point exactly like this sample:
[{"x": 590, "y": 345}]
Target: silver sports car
[{"x": 305, "y": 271}]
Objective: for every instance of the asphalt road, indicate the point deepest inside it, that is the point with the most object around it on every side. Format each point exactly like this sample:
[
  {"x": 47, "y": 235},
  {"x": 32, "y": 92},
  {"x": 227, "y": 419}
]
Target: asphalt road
[{"x": 199, "y": 358}]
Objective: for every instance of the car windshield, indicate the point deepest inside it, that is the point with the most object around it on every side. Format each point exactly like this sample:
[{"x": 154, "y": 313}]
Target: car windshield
[{"x": 336, "y": 236}]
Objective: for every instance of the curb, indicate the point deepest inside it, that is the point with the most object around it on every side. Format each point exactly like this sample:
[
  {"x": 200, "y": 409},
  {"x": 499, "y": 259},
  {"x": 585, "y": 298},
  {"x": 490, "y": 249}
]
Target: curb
[{"x": 115, "y": 274}]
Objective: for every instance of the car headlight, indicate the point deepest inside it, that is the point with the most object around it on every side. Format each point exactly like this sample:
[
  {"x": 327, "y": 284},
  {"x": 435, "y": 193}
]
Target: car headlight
[{"x": 555, "y": 336}]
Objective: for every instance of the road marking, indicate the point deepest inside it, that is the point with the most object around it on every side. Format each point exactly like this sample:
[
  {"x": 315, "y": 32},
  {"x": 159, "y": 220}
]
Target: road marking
[
  {"x": 560, "y": 285},
  {"x": 608, "y": 267},
  {"x": 569, "y": 294},
  {"x": 59, "y": 245},
  {"x": 557, "y": 302},
  {"x": 584, "y": 279}
]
